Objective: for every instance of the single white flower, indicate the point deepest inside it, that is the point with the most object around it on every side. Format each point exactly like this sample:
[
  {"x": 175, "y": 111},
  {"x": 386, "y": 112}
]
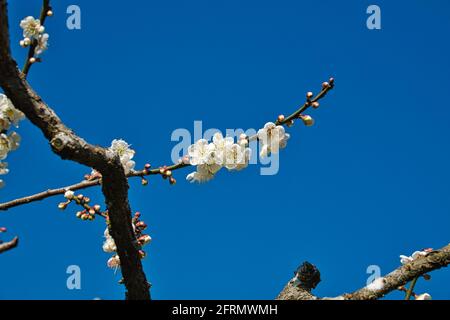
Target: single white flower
[
  {"x": 201, "y": 153},
  {"x": 14, "y": 140},
  {"x": 69, "y": 194},
  {"x": 272, "y": 138},
  {"x": 376, "y": 285},
  {"x": 31, "y": 27},
  {"x": 125, "y": 153},
  {"x": 42, "y": 44},
  {"x": 114, "y": 262},
  {"x": 423, "y": 296},
  {"x": 4, "y": 146},
  {"x": 109, "y": 245},
  {"x": 8, "y": 113},
  {"x": 4, "y": 168},
  {"x": 204, "y": 173}
]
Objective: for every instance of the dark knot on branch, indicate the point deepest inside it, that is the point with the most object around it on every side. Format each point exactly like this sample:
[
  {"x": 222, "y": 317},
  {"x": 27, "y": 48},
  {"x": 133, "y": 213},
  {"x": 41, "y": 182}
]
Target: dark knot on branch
[{"x": 307, "y": 276}]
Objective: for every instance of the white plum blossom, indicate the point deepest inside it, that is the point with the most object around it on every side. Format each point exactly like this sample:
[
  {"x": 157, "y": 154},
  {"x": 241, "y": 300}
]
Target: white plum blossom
[
  {"x": 272, "y": 138},
  {"x": 407, "y": 259},
  {"x": 376, "y": 285},
  {"x": 211, "y": 157},
  {"x": 114, "y": 262},
  {"x": 8, "y": 114},
  {"x": 109, "y": 245},
  {"x": 125, "y": 153},
  {"x": 202, "y": 152},
  {"x": 42, "y": 44},
  {"x": 423, "y": 296},
  {"x": 32, "y": 27}
]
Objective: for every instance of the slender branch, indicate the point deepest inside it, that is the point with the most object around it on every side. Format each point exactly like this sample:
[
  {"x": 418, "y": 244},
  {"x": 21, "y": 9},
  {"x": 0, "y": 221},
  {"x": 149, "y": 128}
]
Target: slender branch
[
  {"x": 9, "y": 245},
  {"x": 26, "y": 68},
  {"x": 433, "y": 261}
]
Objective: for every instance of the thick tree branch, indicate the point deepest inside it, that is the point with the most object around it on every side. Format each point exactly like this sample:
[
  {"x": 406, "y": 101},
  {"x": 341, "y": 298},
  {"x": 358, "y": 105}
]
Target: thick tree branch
[
  {"x": 5, "y": 246},
  {"x": 433, "y": 261},
  {"x": 68, "y": 145}
]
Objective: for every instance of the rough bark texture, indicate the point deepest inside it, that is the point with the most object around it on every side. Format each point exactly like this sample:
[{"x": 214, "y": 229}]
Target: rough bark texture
[{"x": 68, "y": 145}]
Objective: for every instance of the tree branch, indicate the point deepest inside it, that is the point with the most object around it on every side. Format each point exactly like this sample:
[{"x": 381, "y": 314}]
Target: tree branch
[
  {"x": 418, "y": 267},
  {"x": 9, "y": 245},
  {"x": 68, "y": 145}
]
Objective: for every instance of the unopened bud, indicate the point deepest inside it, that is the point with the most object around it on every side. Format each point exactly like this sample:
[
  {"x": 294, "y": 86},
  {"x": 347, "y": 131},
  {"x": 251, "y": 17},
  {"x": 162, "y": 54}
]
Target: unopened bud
[
  {"x": 172, "y": 181},
  {"x": 309, "y": 95},
  {"x": 290, "y": 123},
  {"x": 168, "y": 173},
  {"x": 3, "y": 229},
  {"x": 315, "y": 104},
  {"x": 144, "y": 181},
  {"x": 325, "y": 85},
  {"x": 281, "y": 118},
  {"x": 307, "y": 120},
  {"x": 62, "y": 205},
  {"x": 49, "y": 13},
  {"x": 97, "y": 207},
  {"x": 32, "y": 60}
]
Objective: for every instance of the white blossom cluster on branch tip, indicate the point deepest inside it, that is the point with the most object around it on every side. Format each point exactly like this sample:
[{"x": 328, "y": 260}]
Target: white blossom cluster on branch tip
[
  {"x": 9, "y": 141},
  {"x": 109, "y": 245},
  {"x": 33, "y": 34}
]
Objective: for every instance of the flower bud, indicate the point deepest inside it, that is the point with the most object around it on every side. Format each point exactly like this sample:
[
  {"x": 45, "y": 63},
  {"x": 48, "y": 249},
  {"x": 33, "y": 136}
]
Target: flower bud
[
  {"x": 3, "y": 229},
  {"x": 147, "y": 166},
  {"x": 172, "y": 181},
  {"x": 331, "y": 81},
  {"x": 91, "y": 211},
  {"x": 168, "y": 173},
  {"x": 281, "y": 118},
  {"x": 325, "y": 85},
  {"x": 309, "y": 95},
  {"x": 144, "y": 239},
  {"x": 315, "y": 104},
  {"x": 307, "y": 120},
  {"x": 142, "y": 254},
  {"x": 26, "y": 42},
  {"x": 79, "y": 214},
  {"x": 62, "y": 205},
  {"x": 32, "y": 60},
  {"x": 290, "y": 123},
  {"x": 137, "y": 214},
  {"x": 97, "y": 207},
  {"x": 144, "y": 181},
  {"x": 49, "y": 13},
  {"x": 22, "y": 43}
]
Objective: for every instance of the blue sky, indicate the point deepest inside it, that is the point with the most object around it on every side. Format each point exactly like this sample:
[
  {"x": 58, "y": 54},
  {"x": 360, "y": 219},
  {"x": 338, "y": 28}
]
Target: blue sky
[{"x": 368, "y": 182}]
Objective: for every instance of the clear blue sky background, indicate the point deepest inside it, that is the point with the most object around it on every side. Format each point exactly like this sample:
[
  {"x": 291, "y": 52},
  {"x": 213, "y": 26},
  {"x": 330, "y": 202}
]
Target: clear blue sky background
[{"x": 369, "y": 182}]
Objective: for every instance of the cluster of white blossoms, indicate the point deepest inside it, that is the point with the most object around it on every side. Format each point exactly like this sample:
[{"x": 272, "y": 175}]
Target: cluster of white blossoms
[
  {"x": 221, "y": 152},
  {"x": 125, "y": 153},
  {"x": 224, "y": 152},
  {"x": 33, "y": 33},
  {"x": 9, "y": 116}
]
